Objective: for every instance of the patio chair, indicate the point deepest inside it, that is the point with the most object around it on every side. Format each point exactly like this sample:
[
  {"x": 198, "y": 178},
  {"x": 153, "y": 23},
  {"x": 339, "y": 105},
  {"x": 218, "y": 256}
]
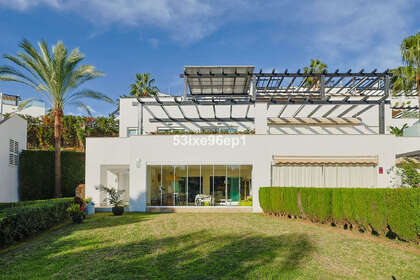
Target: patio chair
[{"x": 201, "y": 199}]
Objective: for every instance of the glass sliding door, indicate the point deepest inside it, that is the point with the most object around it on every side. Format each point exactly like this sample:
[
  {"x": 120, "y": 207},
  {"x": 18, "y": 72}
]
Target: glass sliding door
[
  {"x": 219, "y": 184},
  {"x": 206, "y": 198},
  {"x": 168, "y": 185},
  {"x": 154, "y": 181},
  {"x": 199, "y": 185},
  {"x": 180, "y": 185},
  {"x": 195, "y": 182},
  {"x": 246, "y": 185},
  {"x": 233, "y": 185}
]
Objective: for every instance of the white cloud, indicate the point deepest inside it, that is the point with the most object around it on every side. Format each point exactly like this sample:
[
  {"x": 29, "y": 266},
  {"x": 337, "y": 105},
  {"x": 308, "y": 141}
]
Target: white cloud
[
  {"x": 367, "y": 31},
  {"x": 370, "y": 31}
]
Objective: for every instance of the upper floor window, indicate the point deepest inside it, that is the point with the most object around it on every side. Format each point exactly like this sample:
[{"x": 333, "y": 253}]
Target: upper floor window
[
  {"x": 219, "y": 129},
  {"x": 170, "y": 130},
  {"x": 13, "y": 152},
  {"x": 131, "y": 131}
]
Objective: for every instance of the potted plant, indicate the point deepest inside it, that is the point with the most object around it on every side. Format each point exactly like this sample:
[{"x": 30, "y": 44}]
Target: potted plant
[
  {"x": 90, "y": 206},
  {"x": 81, "y": 202},
  {"x": 114, "y": 198},
  {"x": 75, "y": 213}
]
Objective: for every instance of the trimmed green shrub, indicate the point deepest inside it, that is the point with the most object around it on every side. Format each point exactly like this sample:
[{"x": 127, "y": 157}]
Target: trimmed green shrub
[
  {"x": 36, "y": 173},
  {"x": 378, "y": 210},
  {"x": 311, "y": 198},
  {"x": 26, "y": 220},
  {"x": 279, "y": 200},
  {"x": 5, "y": 205}
]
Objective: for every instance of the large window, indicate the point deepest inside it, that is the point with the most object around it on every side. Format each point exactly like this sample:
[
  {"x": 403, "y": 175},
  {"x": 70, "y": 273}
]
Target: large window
[{"x": 198, "y": 185}]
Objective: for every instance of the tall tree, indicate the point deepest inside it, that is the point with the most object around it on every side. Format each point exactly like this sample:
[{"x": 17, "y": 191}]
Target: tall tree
[
  {"x": 410, "y": 53},
  {"x": 403, "y": 79},
  {"x": 56, "y": 75},
  {"x": 143, "y": 86},
  {"x": 316, "y": 66}
]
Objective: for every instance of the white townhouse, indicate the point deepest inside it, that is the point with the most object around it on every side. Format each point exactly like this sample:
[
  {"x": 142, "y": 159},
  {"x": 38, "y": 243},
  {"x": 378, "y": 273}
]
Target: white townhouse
[
  {"x": 235, "y": 130},
  {"x": 9, "y": 104},
  {"x": 12, "y": 142}
]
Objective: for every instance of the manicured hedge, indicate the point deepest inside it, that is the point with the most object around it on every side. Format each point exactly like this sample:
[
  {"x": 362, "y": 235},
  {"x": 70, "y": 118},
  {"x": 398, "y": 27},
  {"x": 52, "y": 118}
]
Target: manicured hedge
[
  {"x": 378, "y": 210},
  {"x": 5, "y": 205},
  {"x": 26, "y": 220},
  {"x": 36, "y": 174}
]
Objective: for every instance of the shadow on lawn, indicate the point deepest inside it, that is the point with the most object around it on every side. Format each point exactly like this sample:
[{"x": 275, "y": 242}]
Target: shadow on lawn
[
  {"x": 198, "y": 255},
  {"x": 106, "y": 220}
]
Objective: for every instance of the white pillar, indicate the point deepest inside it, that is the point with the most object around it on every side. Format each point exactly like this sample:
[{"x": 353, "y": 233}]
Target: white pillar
[{"x": 261, "y": 118}]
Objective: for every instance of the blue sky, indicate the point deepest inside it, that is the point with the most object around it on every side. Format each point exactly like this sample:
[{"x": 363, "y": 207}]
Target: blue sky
[{"x": 122, "y": 37}]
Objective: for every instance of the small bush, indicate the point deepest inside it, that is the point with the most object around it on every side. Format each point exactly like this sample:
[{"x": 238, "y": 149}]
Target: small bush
[
  {"x": 378, "y": 210},
  {"x": 30, "y": 218}
]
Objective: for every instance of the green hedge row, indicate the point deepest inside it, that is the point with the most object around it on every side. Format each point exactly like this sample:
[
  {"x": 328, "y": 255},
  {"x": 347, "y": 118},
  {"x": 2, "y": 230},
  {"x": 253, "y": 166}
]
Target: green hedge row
[
  {"x": 26, "y": 220},
  {"x": 5, "y": 205},
  {"x": 36, "y": 174},
  {"x": 377, "y": 210}
]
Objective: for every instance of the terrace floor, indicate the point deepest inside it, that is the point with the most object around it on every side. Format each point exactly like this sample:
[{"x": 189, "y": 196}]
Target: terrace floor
[{"x": 206, "y": 246}]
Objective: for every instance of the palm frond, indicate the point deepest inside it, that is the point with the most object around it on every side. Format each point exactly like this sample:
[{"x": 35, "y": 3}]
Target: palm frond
[
  {"x": 82, "y": 106},
  {"x": 24, "y": 104},
  {"x": 12, "y": 72},
  {"x": 88, "y": 94}
]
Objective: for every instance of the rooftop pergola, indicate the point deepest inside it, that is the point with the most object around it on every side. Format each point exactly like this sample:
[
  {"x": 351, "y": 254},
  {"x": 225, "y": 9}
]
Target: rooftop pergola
[{"x": 239, "y": 85}]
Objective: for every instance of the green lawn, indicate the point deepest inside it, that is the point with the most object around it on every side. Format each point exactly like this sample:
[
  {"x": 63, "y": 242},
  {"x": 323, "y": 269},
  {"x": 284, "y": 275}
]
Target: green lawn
[{"x": 206, "y": 246}]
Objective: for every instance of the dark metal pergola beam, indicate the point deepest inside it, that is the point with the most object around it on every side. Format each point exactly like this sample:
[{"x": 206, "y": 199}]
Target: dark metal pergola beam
[
  {"x": 297, "y": 74},
  {"x": 201, "y": 119},
  {"x": 272, "y": 101}
]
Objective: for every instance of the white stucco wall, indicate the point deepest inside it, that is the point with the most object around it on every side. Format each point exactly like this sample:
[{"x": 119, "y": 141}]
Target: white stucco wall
[
  {"x": 256, "y": 150},
  {"x": 13, "y": 128},
  {"x": 130, "y": 112},
  {"x": 136, "y": 152}
]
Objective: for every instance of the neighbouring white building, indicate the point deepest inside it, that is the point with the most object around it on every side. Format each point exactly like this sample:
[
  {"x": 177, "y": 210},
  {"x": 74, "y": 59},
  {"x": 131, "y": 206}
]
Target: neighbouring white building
[
  {"x": 9, "y": 104},
  {"x": 236, "y": 130},
  {"x": 12, "y": 142}
]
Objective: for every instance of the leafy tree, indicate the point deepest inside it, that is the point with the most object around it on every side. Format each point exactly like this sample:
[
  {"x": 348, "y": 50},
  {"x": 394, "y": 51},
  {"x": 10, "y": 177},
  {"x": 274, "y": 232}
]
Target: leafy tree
[
  {"x": 410, "y": 177},
  {"x": 56, "y": 75},
  {"x": 316, "y": 66},
  {"x": 410, "y": 53},
  {"x": 403, "y": 79},
  {"x": 143, "y": 86}
]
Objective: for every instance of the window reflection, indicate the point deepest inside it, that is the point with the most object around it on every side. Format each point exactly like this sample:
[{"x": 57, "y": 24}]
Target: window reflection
[{"x": 199, "y": 185}]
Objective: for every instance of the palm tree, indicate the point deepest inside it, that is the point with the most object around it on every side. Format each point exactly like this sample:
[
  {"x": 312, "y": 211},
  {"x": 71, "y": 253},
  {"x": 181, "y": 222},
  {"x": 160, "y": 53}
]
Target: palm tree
[
  {"x": 403, "y": 79},
  {"x": 410, "y": 53},
  {"x": 143, "y": 86},
  {"x": 56, "y": 76},
  {"x": 316, "y": 66}
]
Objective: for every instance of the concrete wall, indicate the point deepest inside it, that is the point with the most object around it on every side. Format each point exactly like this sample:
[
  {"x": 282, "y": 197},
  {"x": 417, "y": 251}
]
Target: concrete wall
[
  {"x": 256, "y": 150},
  {"x": 13, "y": 128}
]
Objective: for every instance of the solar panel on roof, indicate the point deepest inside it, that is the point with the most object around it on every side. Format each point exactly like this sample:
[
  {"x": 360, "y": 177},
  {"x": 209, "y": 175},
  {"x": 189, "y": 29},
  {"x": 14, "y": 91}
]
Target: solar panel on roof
[{"x": 227, "y": 80}]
